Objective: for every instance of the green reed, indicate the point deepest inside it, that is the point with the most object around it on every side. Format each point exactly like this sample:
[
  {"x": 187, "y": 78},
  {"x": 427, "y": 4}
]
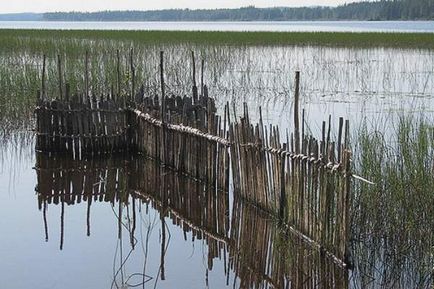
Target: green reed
[
  {"x": 393, "y": 219},
  {"x": 346, "y": 39}
]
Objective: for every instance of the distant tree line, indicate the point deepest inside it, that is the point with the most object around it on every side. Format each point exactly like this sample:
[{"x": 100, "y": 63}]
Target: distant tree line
[{"x": 377, "y": 10}]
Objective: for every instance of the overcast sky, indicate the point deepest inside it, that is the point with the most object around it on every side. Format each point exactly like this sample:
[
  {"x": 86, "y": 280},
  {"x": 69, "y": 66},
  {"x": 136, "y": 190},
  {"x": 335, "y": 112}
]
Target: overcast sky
[{"x": 97, "y": 5}]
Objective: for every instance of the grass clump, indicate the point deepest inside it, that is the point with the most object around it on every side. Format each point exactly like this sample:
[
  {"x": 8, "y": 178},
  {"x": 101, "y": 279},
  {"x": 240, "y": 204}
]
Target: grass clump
[{"x": 394, "y": 218}]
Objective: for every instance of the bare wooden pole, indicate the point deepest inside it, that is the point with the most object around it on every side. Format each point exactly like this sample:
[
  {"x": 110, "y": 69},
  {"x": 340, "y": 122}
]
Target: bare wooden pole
[
  {"x": 201, "y": 77},
  {"x": 346, "y": 207},
  {"x": 347, "y": 134},
  {"x": 163, "y": 109},
  {"x": 194, "y": 68},
  {"x": 296, "y": 112},
  {"x": 194, "y": 78},
  {"x": 283, "y": 201},
  {"x": 341, "y": 125},
  {"x": 163, "y": 96}
]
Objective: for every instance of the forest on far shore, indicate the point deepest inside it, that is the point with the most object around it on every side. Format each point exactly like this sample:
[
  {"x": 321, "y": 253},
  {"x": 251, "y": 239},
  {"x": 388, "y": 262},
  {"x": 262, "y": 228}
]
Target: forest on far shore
[{"x": 376, "y": 10}]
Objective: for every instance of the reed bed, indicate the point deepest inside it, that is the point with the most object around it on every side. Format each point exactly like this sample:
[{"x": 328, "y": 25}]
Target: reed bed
[
  {"x": 366, "y": 39},
  {"x": 256, "y": 74},
  {"x": 394, "y": 216}
]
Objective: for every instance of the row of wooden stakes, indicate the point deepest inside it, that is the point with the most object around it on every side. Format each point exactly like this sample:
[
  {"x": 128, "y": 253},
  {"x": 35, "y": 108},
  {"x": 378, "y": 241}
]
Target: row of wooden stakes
[{"x": 304, "y": 180}]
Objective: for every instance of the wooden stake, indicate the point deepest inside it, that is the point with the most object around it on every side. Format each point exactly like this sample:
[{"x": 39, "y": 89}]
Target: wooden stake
[
  {"x": 163, "y": 108},
  {"x": 163, "y": 97},
  {"x": 194, "y": 78},
  {"x": 283, "y": 201},
  {"x": 296, "y": 112},
  {"x": 201, "y": 77}
]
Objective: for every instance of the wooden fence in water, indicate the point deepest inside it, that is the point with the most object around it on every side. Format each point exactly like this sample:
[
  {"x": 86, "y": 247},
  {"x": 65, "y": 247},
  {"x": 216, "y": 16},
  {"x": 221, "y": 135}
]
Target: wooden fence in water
[
  {"x": 81, "y": 125},
  {"x": 303, "y": 180},
  {"x": 306, "y": 182}
]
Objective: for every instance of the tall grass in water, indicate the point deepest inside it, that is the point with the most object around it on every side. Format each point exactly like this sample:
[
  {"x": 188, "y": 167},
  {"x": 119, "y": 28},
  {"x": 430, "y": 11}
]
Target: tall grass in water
[
  {"x": 393, "y": 220},
  {"x": 256, "y": 73},
  {"x": 342, "y": 39}
]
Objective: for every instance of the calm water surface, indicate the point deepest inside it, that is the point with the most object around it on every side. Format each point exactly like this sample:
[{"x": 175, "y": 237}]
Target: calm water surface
[
  {"x": 303, "y": 26},
  {"x": 103, "y": 223},
  {"x": 124, "y": 222}
]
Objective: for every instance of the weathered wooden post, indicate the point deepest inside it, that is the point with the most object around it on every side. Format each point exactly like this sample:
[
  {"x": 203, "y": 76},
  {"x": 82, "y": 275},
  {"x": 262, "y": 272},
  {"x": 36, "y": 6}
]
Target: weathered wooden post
[
  {"x": 347, "y": 195},
  {"x": 163, "y": 109},
  {"x": 201, "y": 78},
  {"x": 283, "y": 201},
  {"x": 340, "y": 131},
  {"x": 345, "y": 252},
  {"x": 194, "y": 78},
  {"x": 296, "y": 112}
]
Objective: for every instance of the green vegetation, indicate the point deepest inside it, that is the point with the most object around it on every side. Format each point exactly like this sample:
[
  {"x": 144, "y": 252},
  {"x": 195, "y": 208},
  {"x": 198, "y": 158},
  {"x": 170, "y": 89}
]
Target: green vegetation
[
  {"x": 377, "y": 10},
  {"x": 238, "y": 64},
  {"x": 400, "y": 161},
  {"x": 396, "y": 215},
  {"x": 11, "y": 38}
]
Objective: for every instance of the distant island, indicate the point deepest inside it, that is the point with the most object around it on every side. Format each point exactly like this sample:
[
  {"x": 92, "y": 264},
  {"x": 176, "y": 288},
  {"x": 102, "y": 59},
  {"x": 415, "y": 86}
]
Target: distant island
[{"x": 369, "y": 11}]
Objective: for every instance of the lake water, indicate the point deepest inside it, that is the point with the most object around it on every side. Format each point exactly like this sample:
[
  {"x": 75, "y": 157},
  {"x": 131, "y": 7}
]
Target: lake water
[
  {"x": 102, "y": 223},
  {"x": 302, "y": 26}
]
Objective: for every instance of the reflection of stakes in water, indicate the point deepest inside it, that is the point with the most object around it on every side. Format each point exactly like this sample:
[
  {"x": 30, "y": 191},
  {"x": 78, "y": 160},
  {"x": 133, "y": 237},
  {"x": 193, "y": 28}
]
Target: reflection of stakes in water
[
  {"x": 125, "y": 280},
  {"x": 163, "y": 212},
  {"x": 145, "y": 246},
  {"x": 164, "y": 248},
  {"x": 270, "y": 268},
  {"x": 45, "y": 221}
]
